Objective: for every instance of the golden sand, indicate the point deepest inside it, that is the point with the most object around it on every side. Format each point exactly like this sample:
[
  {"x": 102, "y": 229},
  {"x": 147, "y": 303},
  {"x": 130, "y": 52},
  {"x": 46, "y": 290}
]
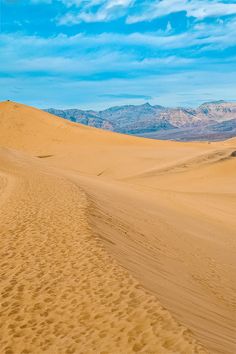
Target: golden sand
[{"x": 99, "y": 231}]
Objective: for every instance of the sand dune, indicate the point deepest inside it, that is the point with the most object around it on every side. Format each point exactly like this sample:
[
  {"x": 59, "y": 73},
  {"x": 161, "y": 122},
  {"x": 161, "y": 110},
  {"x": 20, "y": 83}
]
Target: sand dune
[{"x": 99, "y": 231}]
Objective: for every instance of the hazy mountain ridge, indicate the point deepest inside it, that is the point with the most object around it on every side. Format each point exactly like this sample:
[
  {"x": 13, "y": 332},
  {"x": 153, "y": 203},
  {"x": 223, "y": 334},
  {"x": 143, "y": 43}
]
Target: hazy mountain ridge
[{"x": 210, "y": 121}]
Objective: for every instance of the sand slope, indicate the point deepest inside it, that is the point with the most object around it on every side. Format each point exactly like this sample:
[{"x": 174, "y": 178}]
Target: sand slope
[
  {"x": 71, "y": 195},
  {"x": 61, "y": 292}
]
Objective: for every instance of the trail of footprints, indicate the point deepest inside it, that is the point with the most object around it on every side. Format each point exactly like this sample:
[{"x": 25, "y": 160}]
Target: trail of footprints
[{"x": 60, "y": 291}]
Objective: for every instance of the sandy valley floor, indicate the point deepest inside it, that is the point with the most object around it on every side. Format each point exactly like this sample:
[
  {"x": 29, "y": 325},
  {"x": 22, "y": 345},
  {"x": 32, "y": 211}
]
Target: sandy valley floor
[{"x": 113, "y": 244}]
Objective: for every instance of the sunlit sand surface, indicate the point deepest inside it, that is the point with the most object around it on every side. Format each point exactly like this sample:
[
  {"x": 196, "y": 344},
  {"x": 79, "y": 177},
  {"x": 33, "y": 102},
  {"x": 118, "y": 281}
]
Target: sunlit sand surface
[{"x": 113, "y": 244}]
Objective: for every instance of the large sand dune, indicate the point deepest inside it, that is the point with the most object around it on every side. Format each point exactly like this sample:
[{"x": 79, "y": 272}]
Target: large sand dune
[{"x": 99, "y": 231}]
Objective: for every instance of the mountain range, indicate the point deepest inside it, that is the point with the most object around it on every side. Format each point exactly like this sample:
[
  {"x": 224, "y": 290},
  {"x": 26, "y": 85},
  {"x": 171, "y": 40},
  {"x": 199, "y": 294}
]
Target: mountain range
[{"x": 210, "y": 121}]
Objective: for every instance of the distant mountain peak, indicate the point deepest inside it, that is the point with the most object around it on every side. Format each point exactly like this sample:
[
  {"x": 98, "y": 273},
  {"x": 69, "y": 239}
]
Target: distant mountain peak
[
  {"x": 214, "y": 102},
  {"x": 147, "y": 104},
  {"x": 146, "y": 119}
]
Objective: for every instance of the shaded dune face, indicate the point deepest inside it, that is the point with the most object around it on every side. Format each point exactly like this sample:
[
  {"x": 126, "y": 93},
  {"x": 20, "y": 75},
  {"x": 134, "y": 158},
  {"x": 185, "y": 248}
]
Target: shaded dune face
[{"x": 100, "y": 230}]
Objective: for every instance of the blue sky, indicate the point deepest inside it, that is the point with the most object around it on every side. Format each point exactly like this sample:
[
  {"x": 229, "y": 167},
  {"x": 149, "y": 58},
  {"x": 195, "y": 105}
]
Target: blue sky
[{"x": 100, "y": 53}]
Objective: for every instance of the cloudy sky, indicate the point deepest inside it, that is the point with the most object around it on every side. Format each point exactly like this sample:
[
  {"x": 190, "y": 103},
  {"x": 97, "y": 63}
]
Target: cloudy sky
[{"x": 100, "y": 53}]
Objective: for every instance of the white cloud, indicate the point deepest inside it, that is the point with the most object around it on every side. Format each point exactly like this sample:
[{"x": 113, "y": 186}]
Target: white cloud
[
  {"x": 110, "y": 54},
  {"x": 208, "y": 36},
  {"x": 138, "y": 11},
  {"x": 107, "y": 10},
  {"x": 168, "y": 27},
  {"x": 72, "y": 56},
  {"x": 199, "y": 9}
]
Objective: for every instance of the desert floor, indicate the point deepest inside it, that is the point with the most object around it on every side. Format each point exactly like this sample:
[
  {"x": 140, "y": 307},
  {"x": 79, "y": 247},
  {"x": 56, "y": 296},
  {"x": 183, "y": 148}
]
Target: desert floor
[{"x": 111, "y": 243}]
